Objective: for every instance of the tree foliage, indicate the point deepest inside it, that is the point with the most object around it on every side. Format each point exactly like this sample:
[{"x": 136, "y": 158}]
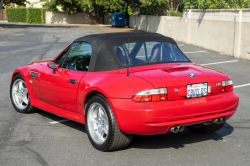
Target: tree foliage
[
  {"x": 215, "y": 4},
  {"x": 151, "y": 7},
  {"x": 99, "y": 7},
  {"x": 95, "y": 8}
]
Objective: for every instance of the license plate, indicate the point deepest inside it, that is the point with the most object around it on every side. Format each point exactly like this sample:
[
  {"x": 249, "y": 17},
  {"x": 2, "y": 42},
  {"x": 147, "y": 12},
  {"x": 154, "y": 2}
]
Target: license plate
[{"x": 196, "y": 90}]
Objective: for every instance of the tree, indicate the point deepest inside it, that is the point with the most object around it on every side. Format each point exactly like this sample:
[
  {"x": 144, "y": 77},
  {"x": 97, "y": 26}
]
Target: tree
[
  {"x": 152, "y": 7},
  {"x": 99, "y": 7},
  {"x": 7, "y": 2},
  {"x": 173, "y": 5},
  {"x": 94, "y": 8}
]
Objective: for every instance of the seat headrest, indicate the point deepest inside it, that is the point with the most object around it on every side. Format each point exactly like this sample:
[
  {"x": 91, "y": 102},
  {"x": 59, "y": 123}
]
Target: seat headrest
[{"x": 155, "y": 54}]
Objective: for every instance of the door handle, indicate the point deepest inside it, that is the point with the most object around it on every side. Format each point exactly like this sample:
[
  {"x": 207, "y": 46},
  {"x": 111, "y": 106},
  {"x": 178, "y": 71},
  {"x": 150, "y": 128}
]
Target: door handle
[
  {"x": 72, "y": 81},
  {"x": 34, "y": 74}
]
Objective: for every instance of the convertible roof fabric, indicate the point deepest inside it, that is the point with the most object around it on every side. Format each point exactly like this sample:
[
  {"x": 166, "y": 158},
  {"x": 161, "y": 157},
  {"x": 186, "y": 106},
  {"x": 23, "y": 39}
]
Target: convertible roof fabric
[{"x": 103, "y": 56}]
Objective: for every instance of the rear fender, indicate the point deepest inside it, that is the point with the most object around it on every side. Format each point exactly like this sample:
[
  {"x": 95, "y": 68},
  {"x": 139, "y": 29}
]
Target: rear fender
[{"x": 110, "y": 85}]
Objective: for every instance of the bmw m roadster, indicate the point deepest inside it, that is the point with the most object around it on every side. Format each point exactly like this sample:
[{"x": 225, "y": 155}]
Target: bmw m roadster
[{"x": 120, "y": 84}]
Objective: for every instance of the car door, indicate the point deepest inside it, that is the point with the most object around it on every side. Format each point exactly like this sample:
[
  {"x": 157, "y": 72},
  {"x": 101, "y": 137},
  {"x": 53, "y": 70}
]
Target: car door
[{"x": 60, "y": 88}]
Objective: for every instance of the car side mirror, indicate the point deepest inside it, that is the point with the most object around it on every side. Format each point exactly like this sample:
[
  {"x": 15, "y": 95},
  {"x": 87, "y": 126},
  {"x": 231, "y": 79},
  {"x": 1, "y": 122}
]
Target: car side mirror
[{"x": 53, "y": 65}]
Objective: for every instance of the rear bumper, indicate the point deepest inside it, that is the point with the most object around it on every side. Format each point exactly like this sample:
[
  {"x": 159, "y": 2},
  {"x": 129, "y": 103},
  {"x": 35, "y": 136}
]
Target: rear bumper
[{"x": 157, "y": 117}]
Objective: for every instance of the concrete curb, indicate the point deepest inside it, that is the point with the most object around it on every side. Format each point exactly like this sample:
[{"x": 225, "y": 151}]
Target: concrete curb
[{"x": 10, "y": 24}]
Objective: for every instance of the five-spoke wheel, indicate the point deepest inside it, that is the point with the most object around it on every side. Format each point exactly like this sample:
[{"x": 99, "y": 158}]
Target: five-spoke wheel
[
  {"x": 101, "y": 126},
  {"x": 98, "y": 124},
  {"x": 19, "y": 95}
]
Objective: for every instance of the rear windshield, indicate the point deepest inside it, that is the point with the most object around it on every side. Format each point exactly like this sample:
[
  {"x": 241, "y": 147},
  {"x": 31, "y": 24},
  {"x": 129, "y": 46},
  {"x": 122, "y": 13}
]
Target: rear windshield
[{"x": 148, "y": 52}]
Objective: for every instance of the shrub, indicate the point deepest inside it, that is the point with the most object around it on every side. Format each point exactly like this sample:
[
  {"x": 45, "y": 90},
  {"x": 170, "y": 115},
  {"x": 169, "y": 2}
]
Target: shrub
[
  {"x": 176, "y": 13},
  {"x": 26, "y": 15},
  {"x": 34, "y": 16},
  {"x": 16, "y": 14},
  {"x": 44, "y": 15}
]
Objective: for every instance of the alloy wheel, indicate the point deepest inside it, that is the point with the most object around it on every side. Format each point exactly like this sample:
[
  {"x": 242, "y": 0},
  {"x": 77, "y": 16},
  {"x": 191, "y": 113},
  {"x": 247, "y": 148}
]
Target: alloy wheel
[
  {"x": 98, "y": 124},
  {"x": 20, "y": 94}
]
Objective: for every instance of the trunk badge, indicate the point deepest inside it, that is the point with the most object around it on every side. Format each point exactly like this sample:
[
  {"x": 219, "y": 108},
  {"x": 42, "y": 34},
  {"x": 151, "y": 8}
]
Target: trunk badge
[{"x": 191, "y": 75}]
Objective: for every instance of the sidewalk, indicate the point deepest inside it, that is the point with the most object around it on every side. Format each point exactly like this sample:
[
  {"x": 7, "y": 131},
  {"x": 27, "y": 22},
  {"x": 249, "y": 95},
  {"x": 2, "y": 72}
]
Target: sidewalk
[
  {"x": 100, "y": 27},
  {"x": 4, "y": 23}
]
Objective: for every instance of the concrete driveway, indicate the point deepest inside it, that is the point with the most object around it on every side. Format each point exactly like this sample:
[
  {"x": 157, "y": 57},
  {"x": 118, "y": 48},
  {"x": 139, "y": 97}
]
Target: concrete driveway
[{"x": 45, "y": 139}]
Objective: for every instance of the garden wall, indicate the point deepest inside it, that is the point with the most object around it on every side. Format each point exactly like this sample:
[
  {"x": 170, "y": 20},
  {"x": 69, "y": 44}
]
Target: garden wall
[
  {"x": 75, "y": 18},
  {"x": 222, "y": 30}
]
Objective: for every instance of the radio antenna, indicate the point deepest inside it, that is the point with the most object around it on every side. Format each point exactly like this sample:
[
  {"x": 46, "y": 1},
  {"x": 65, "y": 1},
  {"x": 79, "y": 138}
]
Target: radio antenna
[{"x": 128, "y": 60}]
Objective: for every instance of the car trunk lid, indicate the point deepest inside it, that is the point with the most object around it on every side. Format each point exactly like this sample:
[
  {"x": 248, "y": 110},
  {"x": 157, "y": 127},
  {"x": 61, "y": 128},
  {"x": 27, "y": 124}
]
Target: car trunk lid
[{"x": 176, "y": 77}]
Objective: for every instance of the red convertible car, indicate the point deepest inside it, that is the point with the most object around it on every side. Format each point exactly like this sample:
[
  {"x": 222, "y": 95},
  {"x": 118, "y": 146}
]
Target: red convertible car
[{"x": 120, "y": 84}]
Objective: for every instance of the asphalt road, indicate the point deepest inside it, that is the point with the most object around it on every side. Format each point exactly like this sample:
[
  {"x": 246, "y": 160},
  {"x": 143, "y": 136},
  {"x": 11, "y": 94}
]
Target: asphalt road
[{"x": 30, "y": 140}]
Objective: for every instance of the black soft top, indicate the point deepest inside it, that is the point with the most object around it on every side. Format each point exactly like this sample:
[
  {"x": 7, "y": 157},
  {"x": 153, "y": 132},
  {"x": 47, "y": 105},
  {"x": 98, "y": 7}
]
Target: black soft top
[{"x": 103, "y": 56}]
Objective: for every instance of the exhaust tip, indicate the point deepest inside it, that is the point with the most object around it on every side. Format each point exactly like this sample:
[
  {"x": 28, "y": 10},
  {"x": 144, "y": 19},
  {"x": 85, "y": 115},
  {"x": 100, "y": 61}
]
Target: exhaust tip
[
  {"x": 181, "y": 128},
  {"x": 219, "y": 121},
  {"x": 223, "y": 120},
  {"x": 173, "y": 129}
]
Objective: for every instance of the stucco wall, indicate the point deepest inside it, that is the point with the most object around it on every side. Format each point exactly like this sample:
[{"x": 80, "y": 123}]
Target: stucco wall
[
  {"x": 76, "y": 18},
  {"x": 226, "y": 31},
  {"x": 176, "y": 27}
]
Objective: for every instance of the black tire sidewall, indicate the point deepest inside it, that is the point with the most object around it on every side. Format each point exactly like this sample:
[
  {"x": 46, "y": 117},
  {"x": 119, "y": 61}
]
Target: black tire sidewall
[
  {"x": 26, "y": 110},
  {"x": 104, "y": 103}
]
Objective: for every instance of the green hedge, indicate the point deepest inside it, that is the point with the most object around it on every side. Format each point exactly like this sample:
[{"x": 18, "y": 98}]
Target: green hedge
[
  {"x": 44, "y": 16},
  {"x": 18, "y": 14},
  {"x": 26, "y": 15},
  {"x": 34, "y": 16}
]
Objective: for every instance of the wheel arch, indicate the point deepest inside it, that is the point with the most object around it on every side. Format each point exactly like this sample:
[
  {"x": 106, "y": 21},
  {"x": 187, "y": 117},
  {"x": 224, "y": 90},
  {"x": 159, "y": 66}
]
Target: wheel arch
[
  {"x": 89, "y": 95},
  {"x": 15, "y": 73}
]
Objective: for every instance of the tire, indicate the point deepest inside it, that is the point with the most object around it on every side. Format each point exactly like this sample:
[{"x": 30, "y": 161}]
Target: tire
[
  {"x": 203, "y": 129},
  {"x": 20, "y": 93},
  {"x": 101, "y": 126}
]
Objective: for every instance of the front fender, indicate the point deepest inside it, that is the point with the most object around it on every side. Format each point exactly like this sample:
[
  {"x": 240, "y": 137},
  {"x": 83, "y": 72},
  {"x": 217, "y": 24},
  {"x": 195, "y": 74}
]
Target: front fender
[
  {"x": 24, "y": 71},
  {"x": 33, "y": 84}
]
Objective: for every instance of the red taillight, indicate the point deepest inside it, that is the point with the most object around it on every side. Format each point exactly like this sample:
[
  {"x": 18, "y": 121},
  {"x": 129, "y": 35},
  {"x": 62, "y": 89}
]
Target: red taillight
[
  {"x": 151, "y": 95},
  {"x": 227, "y": 86}
]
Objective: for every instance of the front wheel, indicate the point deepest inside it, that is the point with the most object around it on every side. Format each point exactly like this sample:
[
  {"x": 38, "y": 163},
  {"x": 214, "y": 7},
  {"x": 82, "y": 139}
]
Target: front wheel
[
  {"x": 19, "y": 95},
  {"x": 101, "y": 127}
]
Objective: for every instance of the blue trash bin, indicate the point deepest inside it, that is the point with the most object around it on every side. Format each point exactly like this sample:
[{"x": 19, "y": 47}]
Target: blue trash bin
[{"x": 118, "y": 19}]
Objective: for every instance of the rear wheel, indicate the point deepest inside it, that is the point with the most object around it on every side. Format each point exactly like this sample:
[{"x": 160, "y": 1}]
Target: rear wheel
[
  {"x": 101, "y": 127},
  {"x": 202, "y": 129},
  {"x": 19, "y": 95}
]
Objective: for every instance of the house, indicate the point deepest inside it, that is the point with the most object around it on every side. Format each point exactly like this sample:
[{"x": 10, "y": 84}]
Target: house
[{"x": 34, "y": 3}]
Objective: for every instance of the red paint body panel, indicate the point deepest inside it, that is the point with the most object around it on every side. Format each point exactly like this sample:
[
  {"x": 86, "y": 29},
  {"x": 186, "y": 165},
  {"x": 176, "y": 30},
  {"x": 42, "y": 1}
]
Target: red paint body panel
[
  {"x": 57, "y": 91},
  {"x": 58, "y": 111},
  {"x": 179, "y": 78},
  {"x": 157, "y": 117},
  {"x": 52, "y": 92}
]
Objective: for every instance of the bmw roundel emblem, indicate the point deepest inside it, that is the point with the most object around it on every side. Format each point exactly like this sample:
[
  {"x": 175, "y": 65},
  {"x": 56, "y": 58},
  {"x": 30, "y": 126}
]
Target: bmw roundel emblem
[{"x": 191, "y": 75}]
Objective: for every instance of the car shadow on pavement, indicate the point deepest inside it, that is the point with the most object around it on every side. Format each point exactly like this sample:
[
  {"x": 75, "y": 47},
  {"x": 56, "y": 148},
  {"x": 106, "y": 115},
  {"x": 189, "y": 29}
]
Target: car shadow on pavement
[
  {"x": 179, "y": 140},
  {"x": 168, "y": 140},
  {"x": 70, "y": 123}
]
